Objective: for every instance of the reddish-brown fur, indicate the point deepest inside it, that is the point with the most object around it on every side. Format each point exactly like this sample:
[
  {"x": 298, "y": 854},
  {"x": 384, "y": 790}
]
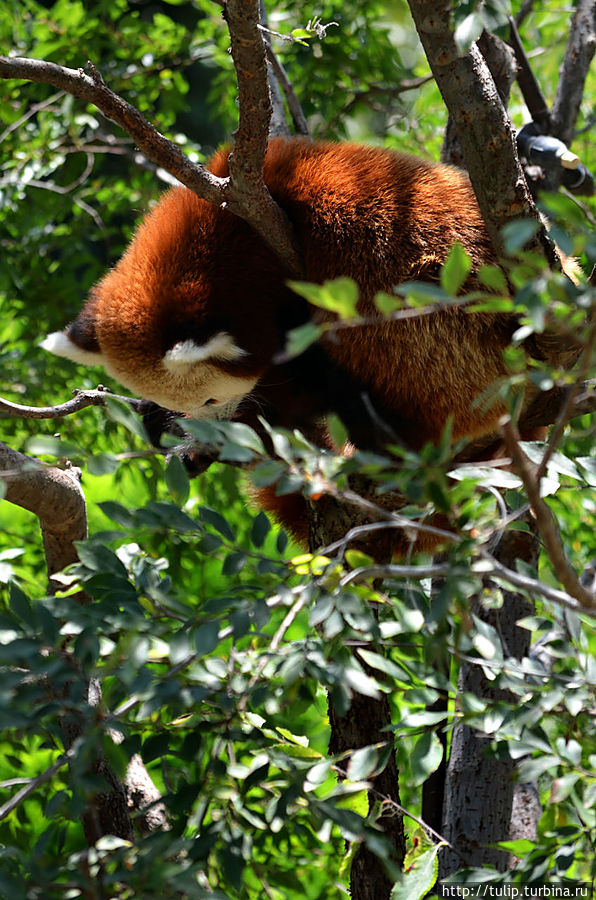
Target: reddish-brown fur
[{"x": 376, "y": 216}]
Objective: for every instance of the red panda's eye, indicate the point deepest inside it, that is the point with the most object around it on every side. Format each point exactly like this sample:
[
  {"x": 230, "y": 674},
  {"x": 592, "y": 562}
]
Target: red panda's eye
[{"x": 209, "y": 402}]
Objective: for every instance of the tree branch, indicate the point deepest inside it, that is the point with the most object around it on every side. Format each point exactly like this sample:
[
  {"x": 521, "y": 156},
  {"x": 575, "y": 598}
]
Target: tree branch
[
  {"x": 278, "y": 125},
  {"x": 93, "y": 89},
  {"x": 81, "y": 400},
  {"x": 34, "y": 783},
  {"x": 294, "y": 105},
  {"x": 246, "y": 161},
  {"x": 473, "y": 101},
  {"x": 545, "y": 520},
  {"x": 54, "y": 496}
]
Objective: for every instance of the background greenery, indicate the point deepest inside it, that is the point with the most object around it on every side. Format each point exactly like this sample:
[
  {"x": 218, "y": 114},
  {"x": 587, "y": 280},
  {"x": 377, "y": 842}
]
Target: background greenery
[{"x": 189, "y": 581}]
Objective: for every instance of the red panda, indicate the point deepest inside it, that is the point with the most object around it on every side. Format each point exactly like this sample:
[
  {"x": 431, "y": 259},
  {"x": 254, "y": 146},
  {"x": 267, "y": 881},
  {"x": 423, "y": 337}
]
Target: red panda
[{"x": 196, "y": 312}]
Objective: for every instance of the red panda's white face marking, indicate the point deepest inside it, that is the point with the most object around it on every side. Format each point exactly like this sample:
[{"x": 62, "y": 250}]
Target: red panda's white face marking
[
  {"x": 186, "y": 378},
  {"x": 220, "y": 346}
]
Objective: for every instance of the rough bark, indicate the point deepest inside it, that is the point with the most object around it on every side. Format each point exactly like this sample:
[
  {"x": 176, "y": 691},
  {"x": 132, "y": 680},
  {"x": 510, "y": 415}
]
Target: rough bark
[
  {"x": 479, "y": 789},
  {"x": 248, "y": 195},
  {"x": 482, "y": 124},
  {"x": 363, "y": 724},
  {"x": 54, "y": 496},
  {"x": 500, "y": 60}
]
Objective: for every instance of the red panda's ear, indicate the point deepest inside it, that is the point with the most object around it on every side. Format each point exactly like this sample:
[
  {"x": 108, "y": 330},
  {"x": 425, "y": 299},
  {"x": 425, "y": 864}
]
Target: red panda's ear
[{"x": 78, "y": 343}]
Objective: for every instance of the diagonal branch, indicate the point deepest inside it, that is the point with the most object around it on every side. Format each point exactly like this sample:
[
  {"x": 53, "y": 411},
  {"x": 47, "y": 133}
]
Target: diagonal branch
[
  {"x": 545, "y": 520},
  {"x": 93, "y": 89}
]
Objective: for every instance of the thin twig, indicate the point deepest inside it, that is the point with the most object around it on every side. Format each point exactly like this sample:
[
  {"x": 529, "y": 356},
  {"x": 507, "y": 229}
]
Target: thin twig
[
  {"x": 34, "y": 784},
  {"x": 569, "y": 403},
  {"x": 32, "y": 111},
  {"x": 388, "y": 801},
  {"x": 544, "y": 519},
  {"x": 486, "y": 566}
]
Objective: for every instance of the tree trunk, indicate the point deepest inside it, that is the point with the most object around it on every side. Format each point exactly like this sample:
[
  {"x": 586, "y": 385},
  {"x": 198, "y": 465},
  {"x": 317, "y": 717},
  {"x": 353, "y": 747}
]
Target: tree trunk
[
  {"x": 55, "y": 496},
  {"x": 364, "y": 722},
  {"x": 479, "y": 790}
]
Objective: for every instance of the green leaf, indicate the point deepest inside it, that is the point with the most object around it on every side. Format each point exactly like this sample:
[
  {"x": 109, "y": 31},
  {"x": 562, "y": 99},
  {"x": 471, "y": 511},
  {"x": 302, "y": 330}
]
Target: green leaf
[
  {"x": 562, "y": 787},
  {"x": 493, "y": 278},
  {"x": 242, "y": 435},
  {"x": 100, "y": 559},
  {"x": 301, "y": 34},
  {"x": 155, "y": 747},
  {"x": 206, "y": 433},
  {"x": 177, "y": 479},
  {"x": 300, "y": 339},
  {"x": 455, "y": 269},
  {"x": 425, "y": 757},
  {"x": 261, "y": 526},
  {"x": 103, "y": 464},
  {"x": 419, "y": 876},
  {"x": 387, "y": 303},
  {"x": 217, "y": 521},
  {"x": 356, "y": 559},
  {"x": 468, "y": 31},
  {"x": 517, "y": 234},
  {"x": 47, "y": 445},
  {"x": 368, "y": 761},
  {"x": 20, "y": 605},
  {"x": 337, "y": 431},
  {"x": 118, "y": 513},
  {"x": 123, "y": 414},
  {"x": 233, "y": 563},
  {"x": 339, "y": 296},
  {"x": 360, "y": 682},
  {"x": 205, "y": 638},
  {"x": 518, "y": 848}
]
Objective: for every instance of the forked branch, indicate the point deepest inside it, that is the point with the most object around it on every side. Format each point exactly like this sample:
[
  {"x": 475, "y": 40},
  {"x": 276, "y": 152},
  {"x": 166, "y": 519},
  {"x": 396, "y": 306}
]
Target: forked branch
[{"x": 244, "y": 192}]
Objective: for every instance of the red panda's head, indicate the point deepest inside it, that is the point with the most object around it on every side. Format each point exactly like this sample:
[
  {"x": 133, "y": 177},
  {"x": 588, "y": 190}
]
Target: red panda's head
[{"x": 186, "y": 317}]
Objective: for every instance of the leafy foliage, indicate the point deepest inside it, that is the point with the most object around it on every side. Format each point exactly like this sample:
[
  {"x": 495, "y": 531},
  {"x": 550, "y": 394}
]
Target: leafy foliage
[{"x": 215, "y": 643}]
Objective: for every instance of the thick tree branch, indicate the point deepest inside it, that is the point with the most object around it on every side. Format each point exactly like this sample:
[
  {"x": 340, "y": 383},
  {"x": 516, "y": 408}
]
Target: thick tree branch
[
  {"x": 54, "y": 496},
  {"x": 246, "y": 161},
  {"x": 500, "y": 60},
  {"x": 473, "y": 101}
]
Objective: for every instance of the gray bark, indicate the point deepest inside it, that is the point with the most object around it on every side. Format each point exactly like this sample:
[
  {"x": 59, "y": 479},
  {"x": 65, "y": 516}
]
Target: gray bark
[
  {"x": 363, "y": 724},
  {"x": 480, "y": 789}
]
